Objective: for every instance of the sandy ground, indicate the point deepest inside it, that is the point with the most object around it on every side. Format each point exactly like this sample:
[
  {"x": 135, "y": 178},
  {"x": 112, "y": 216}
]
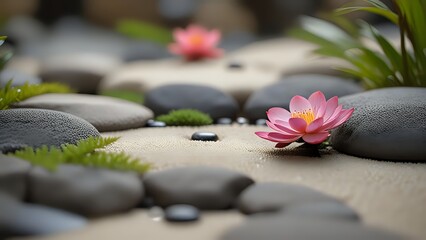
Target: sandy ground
[{"x": 387, "y": 195}]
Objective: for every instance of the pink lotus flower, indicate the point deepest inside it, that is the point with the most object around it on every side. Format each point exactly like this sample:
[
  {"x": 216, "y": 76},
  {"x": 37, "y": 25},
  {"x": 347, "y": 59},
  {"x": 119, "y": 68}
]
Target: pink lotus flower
[
  {"x": 196, "y": 43},
  {"x": 310, "y": 119}
]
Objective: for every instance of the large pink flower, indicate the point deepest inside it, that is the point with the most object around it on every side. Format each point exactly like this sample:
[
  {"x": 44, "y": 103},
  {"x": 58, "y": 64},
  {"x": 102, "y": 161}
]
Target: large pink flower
[
  {"x": 196, "y": 43},
  {"x": 310, "y": 119}
]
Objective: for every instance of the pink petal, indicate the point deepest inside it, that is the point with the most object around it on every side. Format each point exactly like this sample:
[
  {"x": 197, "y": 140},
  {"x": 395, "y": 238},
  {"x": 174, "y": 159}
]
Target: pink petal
[
  {"x": 331, "y": 107},
  {"x": 299, "y": 104},
  {"x": 315, "y": 125},
  {"x": 343, "y": 117},
  {"x": 277, "y": 113},
  {"x": 286, "y": 128},
  {"x": 317, "y": 100},
  {"x": 213, "y": 37},
  {"x": 316, "y": 138},
  {"x": 334, "y": 115},
  {"x": 298, "y": 124},
  {"x": 277, "y": 137},
  {"x": 196, "y": 29},
  {"x": 180, "y": 36}
]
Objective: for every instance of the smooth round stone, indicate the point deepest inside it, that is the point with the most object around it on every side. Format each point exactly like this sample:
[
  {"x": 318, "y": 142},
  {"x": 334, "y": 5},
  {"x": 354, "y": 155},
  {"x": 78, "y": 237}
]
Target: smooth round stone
[
  {"x": 37, "y": 127},
  {"x": 204, "y": 136},
  {"x": 186, "y": 96},
  {"x": 224, "y": 121},
  {"x": 242, "y": 121},
  {"x": 19, "y": 78},
  {"x": 273, "y": 197},
  {"x": 19, "y": 219},
  {"x": 182, "y": 213},
  {"x": 105, "y": 113},
  {"x": 387, "y": 124},
  {"x": 327, "y": 209},
  {"x": 279, "y": 227},
  {"x": 261, "y": 122},
  {"x": 153, "y": 123},
  {"x": 279, "y": 94},
  {"x": 13, "y": 176},
  {"x": 87, "y": 191},
  {"x": 202, "y": 187}
]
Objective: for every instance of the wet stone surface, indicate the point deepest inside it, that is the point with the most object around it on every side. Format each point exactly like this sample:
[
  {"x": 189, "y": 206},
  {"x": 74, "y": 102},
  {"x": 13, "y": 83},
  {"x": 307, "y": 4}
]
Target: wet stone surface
[
  {"x": 204, "y": 136},
  {"x": 182, "y": 213}
]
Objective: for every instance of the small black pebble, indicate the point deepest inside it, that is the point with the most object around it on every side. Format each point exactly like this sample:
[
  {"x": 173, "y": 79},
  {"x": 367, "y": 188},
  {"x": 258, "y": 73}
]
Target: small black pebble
[
  {"x": 261, "y": 122},
  {"x": 204, "y": 136},
  {"x": 182, "y": 213},
  {"x": 153, "y": 123},
  {"x": 147, "y": 202},
  {"x": 242, "y": 121},
  {"x": 235, "y": 65},
  {"x": 224, "y": 121}
]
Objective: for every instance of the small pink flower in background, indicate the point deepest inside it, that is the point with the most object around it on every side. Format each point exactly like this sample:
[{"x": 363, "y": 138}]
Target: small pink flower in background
[
  {"x": 196, "y": 43},
  {"x": 310, "y": 119}
]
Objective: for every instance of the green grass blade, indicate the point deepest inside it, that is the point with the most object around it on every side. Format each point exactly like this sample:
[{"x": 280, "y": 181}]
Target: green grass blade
[{"x": 379, "y": 11}]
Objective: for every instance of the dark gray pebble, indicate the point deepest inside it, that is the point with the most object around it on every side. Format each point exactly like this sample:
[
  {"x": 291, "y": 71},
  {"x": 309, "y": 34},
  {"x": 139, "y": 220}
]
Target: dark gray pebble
[
  {"x": 182, "y": 213},
  {"x": 204, "y": 136},
  {"x": 152, "y": 123}
]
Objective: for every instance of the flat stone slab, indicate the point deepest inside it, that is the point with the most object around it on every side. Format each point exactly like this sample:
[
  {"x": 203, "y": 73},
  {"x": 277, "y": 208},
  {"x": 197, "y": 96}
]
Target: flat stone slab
[
  {"x": 273, "y": 197},
  {"x": 13, "y": 176},
  {"x": 37, "y": 127},
  {"x": 85, "y": 191},
  {"x": 196, "y": 186},
  {"x": 105, "y": 113},
  {"x": 387, "y": 124}
]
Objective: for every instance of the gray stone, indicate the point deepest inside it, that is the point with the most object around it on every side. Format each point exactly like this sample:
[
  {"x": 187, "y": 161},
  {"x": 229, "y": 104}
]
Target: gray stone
[
  {"x": 182, "y": 213},
  {"x": 327, "y": 209},
  {"x": 19, "y": 78},
  {"x": 279, "y": 94},
  {"x": 203, "y": 98},
  {"x": 204, "y": 136},
  {"x": 242, "y": 121},
  {"x": 224, "y": 121},
  {"x": 105, "y": 113},
  {"x": 13, "y": 176},
  {"x": 277, "y": 227},
  {"x": 86, "y": 191},
  {"x": 37, "y": 127},
  {"x": 202, "y": 187},
  {"x": 261, "y": 122},
  {"x": 19, "y": 219},
  {"x": 387, "y": 124},
  {"x": 272, "y": 197},
  {"x": 153, "y": 123}
]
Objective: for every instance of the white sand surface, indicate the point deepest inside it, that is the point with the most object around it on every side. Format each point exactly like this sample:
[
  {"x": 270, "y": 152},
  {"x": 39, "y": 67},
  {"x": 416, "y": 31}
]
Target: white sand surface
[{"x": 387, "y": 195}]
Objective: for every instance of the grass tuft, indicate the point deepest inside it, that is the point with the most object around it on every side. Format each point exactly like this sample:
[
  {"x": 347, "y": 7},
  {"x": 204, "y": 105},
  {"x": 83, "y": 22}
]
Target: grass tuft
[{"x": 185, "y": 117}]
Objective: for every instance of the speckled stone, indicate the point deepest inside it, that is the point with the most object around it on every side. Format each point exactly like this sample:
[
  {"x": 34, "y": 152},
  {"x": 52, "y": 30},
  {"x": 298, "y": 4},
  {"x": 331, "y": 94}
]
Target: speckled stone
[
  {"x": 203, "y": 98},
  {"x": 182, "y": 213},
  {"x": 86, "y": 191},
  {"x": 277, "y": 227},
  {"x": 387, "y": 124},
  {"x": 105, "y": 113},
  {"x": 13, "y": 176},
  {"x": 202, "y": 187},
  {"x": 279, "y": 94},
  {"x": 273, "y": 197},
  {"x": 19, "y": 219},
  {"x": 37, "y": 127},
  {"x": 204, "y": 136}
]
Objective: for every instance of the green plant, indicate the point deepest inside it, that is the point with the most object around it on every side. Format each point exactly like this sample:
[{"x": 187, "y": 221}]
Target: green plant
[
  {"x": 125, "y": 95},
  {"x": 185, "y": 117},
  {"x": 386, "y": 67},
  {"x": 10, "y": 95},
  {"x": 85, "y": 152},
  {"x": 145, "y": 31}
]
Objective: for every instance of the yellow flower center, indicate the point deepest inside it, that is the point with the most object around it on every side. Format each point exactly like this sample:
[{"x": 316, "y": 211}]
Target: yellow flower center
[
  {"x": 307, "y": 115},
  {"x": 196, "y": 39}
]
